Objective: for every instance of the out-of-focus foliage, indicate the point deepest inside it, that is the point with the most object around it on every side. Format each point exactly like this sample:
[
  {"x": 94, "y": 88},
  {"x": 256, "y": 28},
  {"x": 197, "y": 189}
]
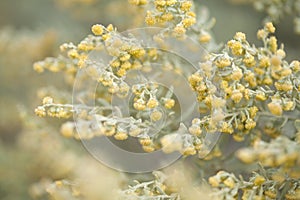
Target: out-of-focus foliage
[{"x": 277, "y": 10}]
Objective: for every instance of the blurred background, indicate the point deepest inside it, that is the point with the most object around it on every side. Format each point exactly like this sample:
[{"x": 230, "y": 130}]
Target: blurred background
[{"x": 32, "y": 30}]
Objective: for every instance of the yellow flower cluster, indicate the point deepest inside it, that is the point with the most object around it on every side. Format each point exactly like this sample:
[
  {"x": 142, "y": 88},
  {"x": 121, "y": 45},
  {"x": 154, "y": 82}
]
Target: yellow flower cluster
[
  {"x": 259, "y": 186},
  {"x": 73, "y": 57},
  {"x": 279, "y": 152},
  {"x": 223, "y": 178},
  {"x": 126, "y": 54},
  {"x": 178, "y": 16},
  {"x": 247, "y": 76},
  {"x": 158, "y": 188},
  {"x": 178, "y": 13},
  {"x": 138, "y": 2},
  {"x": 53, "y": 110},
  {"x": 145, "y": 99}
]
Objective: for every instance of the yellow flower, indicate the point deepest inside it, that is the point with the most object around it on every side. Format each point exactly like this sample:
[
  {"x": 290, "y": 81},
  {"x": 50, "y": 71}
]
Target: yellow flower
[
  {"x": 160, "y": 2},
  {"x": 261, "y": 34},
  {"x": 213, "y": 181},
  {"x": 236, "y": 96},
  {"x": 194, "y": 79},
  {"x": 139, "y": 105},
  {"x": 289, "y": 105},
  {"x": 271, "y": 194},
  {"x": 135, "y": 131},
  {"x": 109, "y": 131},
  {"x": 238, "y": 137},
  {"x": 250, "y": 124},
  {"x": 284, "y": 86},
  {"x": 259, "y": 71},
  {"x": 73, "y": 53},
  {"x": 270, "y": 27},
  {"x": 249, "y": 60},
  {"x": 138, "y": 53},
  {"x": 170, "y": 2},
  {"x": 155, "y": 115},
  {"x": 113, "y": 89},
  {"x": 126, "y": 65},
  {"x": 240, "y": 36},
  {"x": 152, "y": 103},
  {"x": 187, "y": 22},
  {"x": 261, "y": 96},
  {"x": 47, "y": 100},
  {"x": 275, "y": 61},
  {"x": 267, "y": 80},
  {"x": 246, "y": 155},
  {"x": 195, "y": 130},
  {"x": 218, "y": 102},
  {"x": 189, "y": 151},
  {"x": 222, "y": 62},
  {"x": 38, "y": 67},
  {"x": 167, "y": 16},
  {"x": 83, "y": 46},
  {"x": 105, "y": 37},
  {"x": 286, "y": 72},
  {"x": 97, "y": 29},
  {"x": 191, "y": 14},
  {"x": 179, "y": 31},
  {"x": 295, "y": 66},
  {"x": 226, "y": 128},
  {"x": 264, "y": 62},
  {"x": 281, "y": 53},
  {"x": 110, "y": 27},
  {"x": 40, "y": 111},
  {"x": 145, "y": 141},
  {"x": 115, "y": 63},
  {"x": 253, "y": 110},
  {"x": 134, "y": 2},
  {"x": 125, "y": 57},
  {"x": 204, "y": 38},
  {"x": 121, "y": 72},
  {"x": 186, "y": 6},
  {"x": 148, "y": 149},
  {"x": 236, "y": 47},
  {"x": 150, "y": 20},
  {"x": 152, "y": 53},
  {"x": 138, "y": 2},
  {"x": 169, "y": 103},
  {"x": 273, "y": 44},
  {"x": 237, "y": 74},
  {"x": 67, "y": 129},
  {"x": 275, "y": 108},
  {"x": 229, "y": 182},
  {"x": 121, "y": 136}
]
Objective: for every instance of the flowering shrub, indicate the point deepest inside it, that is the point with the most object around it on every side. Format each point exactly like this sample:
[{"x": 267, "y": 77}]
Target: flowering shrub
[{"x": 168, "y": 111}]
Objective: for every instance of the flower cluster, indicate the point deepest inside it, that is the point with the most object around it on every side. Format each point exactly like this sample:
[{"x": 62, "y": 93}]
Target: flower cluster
[
  {"x": 180, "y": 18},
  {"x": 267, "y": 186},
  {"x": 250, "y": 93},
  {"x": 155, "y": 189},
  {"x": 279, "y": 152},
  {"x": 150, "y": 103},
  {"x": 243, "y": 82},
  {"x": 51, "y": 109}
]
